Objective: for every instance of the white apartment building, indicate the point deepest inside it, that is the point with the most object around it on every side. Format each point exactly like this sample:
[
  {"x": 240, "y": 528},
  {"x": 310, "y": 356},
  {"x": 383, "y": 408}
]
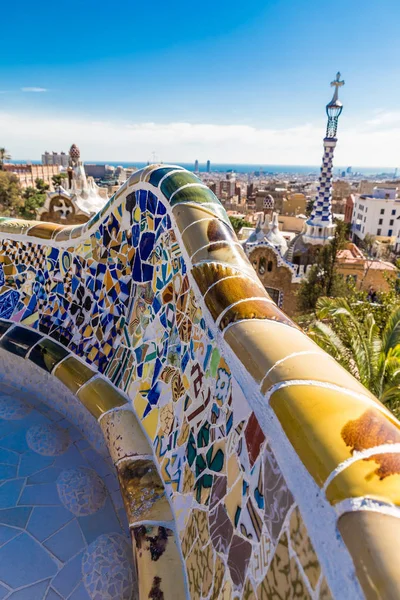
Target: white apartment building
[{"x": 377, "y": 214}]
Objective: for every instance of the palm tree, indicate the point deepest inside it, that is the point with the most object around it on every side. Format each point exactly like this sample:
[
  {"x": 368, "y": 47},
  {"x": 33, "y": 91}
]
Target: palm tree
[
  {"x": 4, "y": 155},
  {"x": 373, "y": 357}
]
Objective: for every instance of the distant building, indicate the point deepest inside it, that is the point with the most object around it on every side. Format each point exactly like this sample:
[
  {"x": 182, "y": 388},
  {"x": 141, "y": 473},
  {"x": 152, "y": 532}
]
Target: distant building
[
  {"x": 348, "y": 211},
  {"x": 55, "y": 158},
  {"x": 377, "y": 214},
  {"x": 208, "y": 168},
  {"x": 196, "y": 166},
  {"x": 27, "y": 174},
  {"x": 294, "y": 204},
  {"x": 364, "y": 272}
]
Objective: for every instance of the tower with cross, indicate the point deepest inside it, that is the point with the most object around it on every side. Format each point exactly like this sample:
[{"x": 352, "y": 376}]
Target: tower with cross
[{"x": 319, "y": 226}]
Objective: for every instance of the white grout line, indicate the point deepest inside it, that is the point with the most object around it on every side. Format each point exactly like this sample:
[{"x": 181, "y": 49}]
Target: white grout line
[
  {"x": 134, "y": 457},
  {"x": 261, "y": 298},
  {"x": 329, "y": 386},
  {"x": 226, "y": 243},
  {"x": 188, "y": 185},
  {"x": 237, "y": 275},
  {"x": 210, "y": 218},
  {"x": 362, "y": 503},
  {"x": 361, "y": 455},
  {"x": 293, "y": 355},
  {"x": 258, "y": 320}
]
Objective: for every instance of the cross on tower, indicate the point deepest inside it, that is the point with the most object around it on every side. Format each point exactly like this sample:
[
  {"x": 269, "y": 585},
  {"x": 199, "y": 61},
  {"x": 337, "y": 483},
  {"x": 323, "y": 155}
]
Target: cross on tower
[{"x": 336, "y": 83}]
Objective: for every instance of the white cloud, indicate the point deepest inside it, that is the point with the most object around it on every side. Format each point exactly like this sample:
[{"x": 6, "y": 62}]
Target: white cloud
[
  {"x": 33, "y": 89},
  {"x": 28, "y": 135}
]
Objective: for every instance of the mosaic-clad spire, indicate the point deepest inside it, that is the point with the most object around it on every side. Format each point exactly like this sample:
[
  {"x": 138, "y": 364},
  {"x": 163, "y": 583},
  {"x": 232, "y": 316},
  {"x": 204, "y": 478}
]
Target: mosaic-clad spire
[{"x": 319, "y": 227}]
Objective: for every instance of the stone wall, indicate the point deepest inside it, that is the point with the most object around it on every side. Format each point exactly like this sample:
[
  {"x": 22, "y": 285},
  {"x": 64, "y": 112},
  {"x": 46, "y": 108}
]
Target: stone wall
[{"x": 250, "y": 463}]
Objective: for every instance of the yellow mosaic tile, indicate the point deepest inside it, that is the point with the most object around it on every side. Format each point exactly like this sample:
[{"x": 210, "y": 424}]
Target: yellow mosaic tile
[
  {"x": 304, "y": 549},
  {"x": 73, "y": 373},
  {"x": 283, "y": 579},
  {"x": 150, "y": 423},
  {"x": 324, "y": 591},
  {"x": 219, "y": 572},
  {"x": 260, "y": 344},
  {"x": 372, "y": 539},
  {"x": 124, "y": 435},
  {"x": 161, "y": 578},
  {"x": 378, "y": 478},
  {"x": 314, "y": 419},
  {"x": 304, "y": 367},
  {"x": 99, "y": 396}
]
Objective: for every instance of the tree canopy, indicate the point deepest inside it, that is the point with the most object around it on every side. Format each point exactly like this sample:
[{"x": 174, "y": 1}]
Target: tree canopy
[
  {"x": 10, "y": 194},
  {"x": 369, "y": 352}
]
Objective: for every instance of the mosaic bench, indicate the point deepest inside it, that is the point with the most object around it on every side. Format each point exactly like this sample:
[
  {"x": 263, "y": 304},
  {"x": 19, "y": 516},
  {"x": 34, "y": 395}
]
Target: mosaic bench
[{"x": 250, "y": 464}]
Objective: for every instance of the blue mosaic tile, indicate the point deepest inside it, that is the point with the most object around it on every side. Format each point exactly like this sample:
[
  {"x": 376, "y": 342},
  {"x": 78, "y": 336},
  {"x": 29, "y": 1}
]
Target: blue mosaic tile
[
  {"x": 52, "y": 595},
  {"x": 15, "y": 441},
  {"x": 7, "y": 472},
  {"x": 67, "y": 542},
  {"x": 8, "y": 457},
  {"x": 68, "y": 578},
  {"x": 16, "y": 570},
  {"x": 103, "y": 521},
  {"x": 80, "y": 593},
  {"x": 9, "y": 492},
  {"x": 47, "y": 520},
  {"x": 71, "y": 458},
  {"x": 42, "y": 494},
  {"x": 48, "y": 475},
  {"x": 16, "y": 517},
  {"x": 32, "y": 592},
  {"x": 7, "y": 534},
  {"x": 3, "y": 592},
  {"x": 31, "y": 463}
]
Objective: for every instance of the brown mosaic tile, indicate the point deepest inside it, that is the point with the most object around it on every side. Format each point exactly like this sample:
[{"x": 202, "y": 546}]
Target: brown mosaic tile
[
  {"x": 44, "y": 230},
  {"x": 238, "y": 560},
  {"x": 221, "y": 529},
  {"x": 254, "y": 437},
  {"x": 254, "y": 309},
  {"x": 231, "y": 290},
  {"x": 277, "y": 496},
  {"x": 143, "y": 491}
]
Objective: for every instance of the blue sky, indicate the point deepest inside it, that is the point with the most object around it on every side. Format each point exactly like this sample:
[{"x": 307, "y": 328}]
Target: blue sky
[{"x": 243, "y": 82}]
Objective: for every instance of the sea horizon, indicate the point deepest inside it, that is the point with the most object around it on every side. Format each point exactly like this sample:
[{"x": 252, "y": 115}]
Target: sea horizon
[{"x": 267, "y": 169}]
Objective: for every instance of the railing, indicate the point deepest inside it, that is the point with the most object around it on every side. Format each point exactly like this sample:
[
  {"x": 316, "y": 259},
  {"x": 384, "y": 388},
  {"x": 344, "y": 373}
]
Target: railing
[{"x": 251, "y": 464}]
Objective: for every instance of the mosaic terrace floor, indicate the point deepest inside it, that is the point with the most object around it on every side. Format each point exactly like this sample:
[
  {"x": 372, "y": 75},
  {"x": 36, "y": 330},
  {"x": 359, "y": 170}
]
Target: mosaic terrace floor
[{"x": 63, "y": 531}]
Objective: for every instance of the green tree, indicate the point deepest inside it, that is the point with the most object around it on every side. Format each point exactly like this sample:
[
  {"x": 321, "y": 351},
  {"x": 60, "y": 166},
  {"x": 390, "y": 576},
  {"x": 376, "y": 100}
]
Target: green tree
[
  {"x": 309, "y": 207},
  {"x": 4, "y": 155},
  {"x": 370, "y": 354},
  {"x": 10, "y": 194},
  {"x": 33, "y": 199},
  {"x": 58, "y": 179},
  {"x": 322, "y": 278},
  {"x": 238, "y": 222}
]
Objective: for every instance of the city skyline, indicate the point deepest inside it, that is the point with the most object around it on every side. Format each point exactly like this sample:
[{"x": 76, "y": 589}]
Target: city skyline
[{"x": 237, "y": 84}]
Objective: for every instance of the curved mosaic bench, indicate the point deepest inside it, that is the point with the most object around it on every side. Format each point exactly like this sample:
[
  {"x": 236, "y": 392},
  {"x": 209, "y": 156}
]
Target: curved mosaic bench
[{"x": 251, "y": 464}]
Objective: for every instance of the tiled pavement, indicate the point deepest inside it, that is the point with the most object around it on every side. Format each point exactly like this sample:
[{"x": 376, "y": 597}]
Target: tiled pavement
[{"x": 62, "y": 523}]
